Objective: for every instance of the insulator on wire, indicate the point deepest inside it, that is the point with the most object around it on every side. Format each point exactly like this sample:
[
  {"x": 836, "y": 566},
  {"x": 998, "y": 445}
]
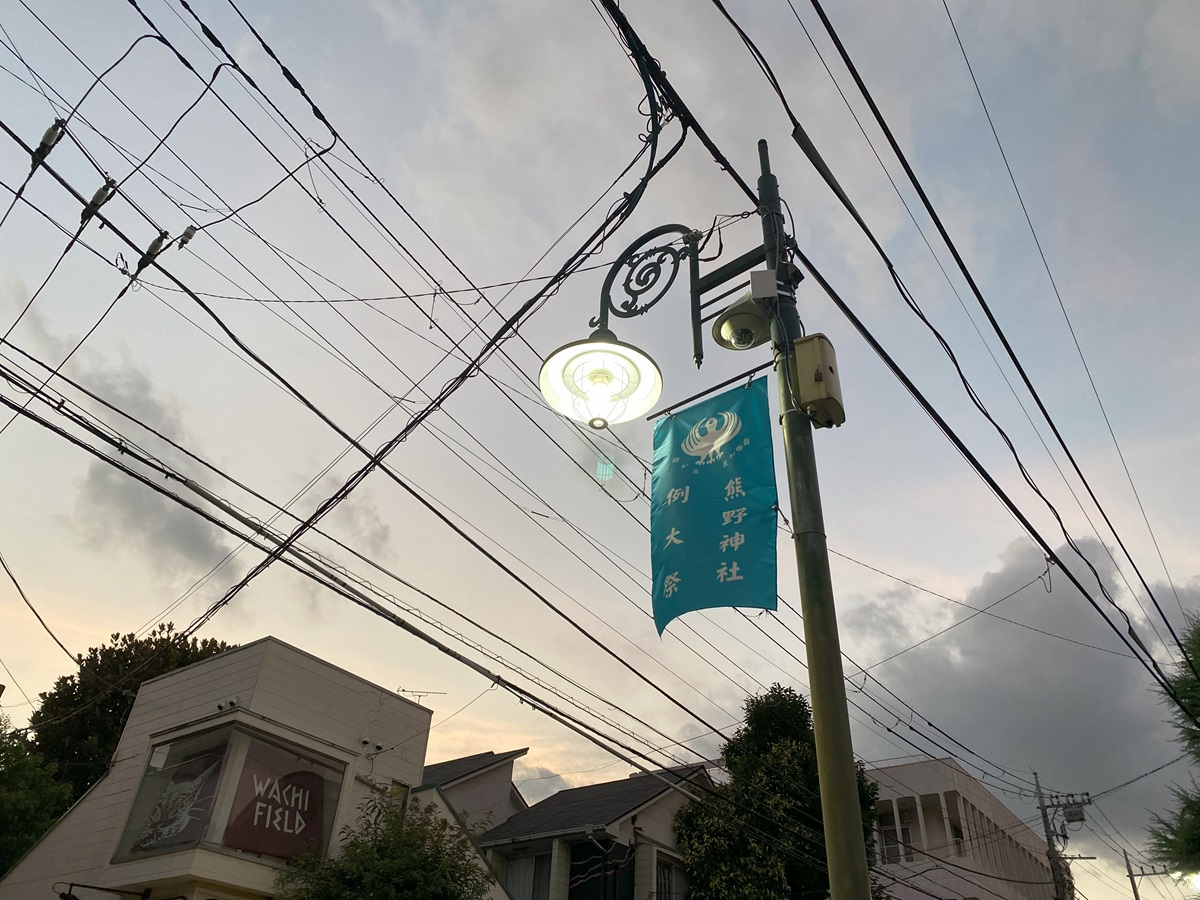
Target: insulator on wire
[
  {"x": 52, "y": 136},
  {"x": 188, "y": 234},
  {"x": 98, "y": 200},
  {"x": 153, "y": 250}
]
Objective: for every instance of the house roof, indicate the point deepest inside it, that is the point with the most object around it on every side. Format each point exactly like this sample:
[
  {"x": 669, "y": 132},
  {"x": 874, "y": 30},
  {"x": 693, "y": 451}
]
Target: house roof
[
  {"x": 578, "y": 809},
  {"x": 452, "y": 771}
]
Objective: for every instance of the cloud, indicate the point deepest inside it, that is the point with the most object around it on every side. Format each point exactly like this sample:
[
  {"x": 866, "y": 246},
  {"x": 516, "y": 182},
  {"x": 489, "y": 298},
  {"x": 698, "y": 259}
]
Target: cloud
[
  {"x": 114, "y": 512},
  {"x": 537, "y": 782},
  {"x": 1169, "y": 57},
  {"x": 1083, "y": 718}
]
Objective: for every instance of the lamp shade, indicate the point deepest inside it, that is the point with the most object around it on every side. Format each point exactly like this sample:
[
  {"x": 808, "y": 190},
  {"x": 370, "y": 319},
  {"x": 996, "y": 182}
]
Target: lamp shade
[{"x": 600, "y": 381}]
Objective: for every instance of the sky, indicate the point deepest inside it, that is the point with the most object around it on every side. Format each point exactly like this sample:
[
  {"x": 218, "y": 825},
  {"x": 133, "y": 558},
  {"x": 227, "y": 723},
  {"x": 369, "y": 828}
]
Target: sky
[{"x": 481, "y": 145}]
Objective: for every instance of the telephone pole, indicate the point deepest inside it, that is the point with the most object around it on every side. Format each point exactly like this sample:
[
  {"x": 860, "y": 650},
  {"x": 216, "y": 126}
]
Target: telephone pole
[
  {"x": 1072, "y": 806},
  {"x": 1141, "y": 873},
  {"x": 1056, "y": 863}
]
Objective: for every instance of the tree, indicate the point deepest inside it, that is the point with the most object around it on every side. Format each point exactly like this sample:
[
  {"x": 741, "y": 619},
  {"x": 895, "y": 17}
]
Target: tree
[
  {"x": 1175, "y": 836},
  {"x": 395, "y": 853},
  {"x": 80, "y": 720},
  {"x": 30, "y": 796},
  {"x": 759, "y": 836}
]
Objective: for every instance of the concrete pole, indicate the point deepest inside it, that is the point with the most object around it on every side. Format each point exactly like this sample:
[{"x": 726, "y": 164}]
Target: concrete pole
[
  {"x": 845, "y": 849},
  {"x": 1060, "y": 890},
  {"x": 1132, "y": 880}
]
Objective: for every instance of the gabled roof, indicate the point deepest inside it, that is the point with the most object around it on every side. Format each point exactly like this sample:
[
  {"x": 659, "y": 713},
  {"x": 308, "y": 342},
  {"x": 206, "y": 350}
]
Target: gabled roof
[
  {"x": 596, "y": 805},
  {"x": 452, "y": 771}
]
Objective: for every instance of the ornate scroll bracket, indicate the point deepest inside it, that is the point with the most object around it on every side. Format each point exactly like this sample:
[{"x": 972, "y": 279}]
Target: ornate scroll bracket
[{"x": 648, "y": 273}]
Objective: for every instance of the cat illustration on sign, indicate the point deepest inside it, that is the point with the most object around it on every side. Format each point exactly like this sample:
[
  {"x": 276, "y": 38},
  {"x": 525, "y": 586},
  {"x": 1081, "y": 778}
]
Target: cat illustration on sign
[{"x": 180, "y": 804}]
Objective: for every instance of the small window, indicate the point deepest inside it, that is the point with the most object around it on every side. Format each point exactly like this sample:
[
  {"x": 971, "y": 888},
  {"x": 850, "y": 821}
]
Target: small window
[
  {"x": 671, "y": 881},
  {"x": 528, "y": 877}
]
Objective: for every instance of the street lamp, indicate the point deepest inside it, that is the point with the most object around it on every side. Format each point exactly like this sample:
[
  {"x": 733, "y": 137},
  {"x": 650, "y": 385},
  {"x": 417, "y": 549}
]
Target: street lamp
[{"x": 602, "y": 381}]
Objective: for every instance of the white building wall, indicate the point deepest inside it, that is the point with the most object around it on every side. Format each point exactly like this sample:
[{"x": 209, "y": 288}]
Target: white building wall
[
  {"x": 997, "y": 855},
  {"x": 280, "y": 691}
]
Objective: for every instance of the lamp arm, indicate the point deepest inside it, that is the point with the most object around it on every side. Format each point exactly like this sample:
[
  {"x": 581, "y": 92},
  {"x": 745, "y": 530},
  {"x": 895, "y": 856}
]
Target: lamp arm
[{"x": 649, "y": 274}]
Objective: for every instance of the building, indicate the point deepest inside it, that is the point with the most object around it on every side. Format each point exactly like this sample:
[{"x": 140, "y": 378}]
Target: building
[
  {"x": 608, "y": 841},
  {"x": 225, "y": 770},
  {"x": 940, "y": 831},
  {"x": 479, "y": 788}
]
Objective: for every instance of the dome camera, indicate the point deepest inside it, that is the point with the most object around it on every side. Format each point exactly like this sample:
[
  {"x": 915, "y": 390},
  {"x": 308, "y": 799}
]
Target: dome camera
[{"x": 742, "y": 325}]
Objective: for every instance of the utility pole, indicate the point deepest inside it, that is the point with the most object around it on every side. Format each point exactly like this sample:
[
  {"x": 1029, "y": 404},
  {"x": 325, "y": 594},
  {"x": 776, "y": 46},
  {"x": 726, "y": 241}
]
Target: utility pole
[
  {"x": 1072, "y": 806},
  {"x": 1056, "y": 867},
  {"x": 845, "y": 849},
  {"x": 1141, "y": 873},
  {"x": 1132, "y": 880}
]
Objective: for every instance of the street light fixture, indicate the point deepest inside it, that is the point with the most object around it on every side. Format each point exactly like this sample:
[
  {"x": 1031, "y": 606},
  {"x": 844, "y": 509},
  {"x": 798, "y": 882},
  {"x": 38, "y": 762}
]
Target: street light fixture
[{"x": 602, "y": 381}]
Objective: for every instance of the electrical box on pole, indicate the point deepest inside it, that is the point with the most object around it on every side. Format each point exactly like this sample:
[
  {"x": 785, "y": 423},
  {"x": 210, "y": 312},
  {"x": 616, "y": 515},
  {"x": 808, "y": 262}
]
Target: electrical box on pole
[{"x": 817, "y": 384}]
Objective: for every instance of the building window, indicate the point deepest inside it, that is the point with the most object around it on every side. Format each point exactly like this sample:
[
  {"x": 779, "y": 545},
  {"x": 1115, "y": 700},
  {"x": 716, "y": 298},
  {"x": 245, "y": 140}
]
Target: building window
[
  {"x": 175, "y": 800},
  {"x": 234, "y": 788},
  {"x": 528, "y": 877},
  {"x": 671, "y": 881}
]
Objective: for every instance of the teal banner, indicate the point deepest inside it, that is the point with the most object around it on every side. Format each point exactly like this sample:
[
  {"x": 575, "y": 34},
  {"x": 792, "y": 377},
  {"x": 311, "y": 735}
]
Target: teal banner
[{"x": 712, "y": 506}]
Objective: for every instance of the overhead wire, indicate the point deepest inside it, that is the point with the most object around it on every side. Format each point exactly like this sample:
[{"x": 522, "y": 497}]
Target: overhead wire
[
  {"x": 376, "y": 458},
  {"x": 977, "y": 293},
  {"x": 1148, "y": 662},
  {"x": 33, "y": 609},
  {"x": 1070, "y": 327}
]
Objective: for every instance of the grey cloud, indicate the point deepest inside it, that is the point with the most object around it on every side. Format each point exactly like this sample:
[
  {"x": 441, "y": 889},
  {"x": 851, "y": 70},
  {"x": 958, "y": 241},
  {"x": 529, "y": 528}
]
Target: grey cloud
[
  {"x": 1085, "y": 719},
  {"x": 114, "y": 512}
]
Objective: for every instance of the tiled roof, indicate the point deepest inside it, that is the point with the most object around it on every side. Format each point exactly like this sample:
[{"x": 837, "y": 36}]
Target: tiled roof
[
  {"x": 446, "y": 773},
  {"x": 578, "y": 808}
]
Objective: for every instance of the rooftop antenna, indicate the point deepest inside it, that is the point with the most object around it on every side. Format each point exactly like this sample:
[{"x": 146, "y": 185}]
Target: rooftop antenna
[{"x": 417, "y": 695}]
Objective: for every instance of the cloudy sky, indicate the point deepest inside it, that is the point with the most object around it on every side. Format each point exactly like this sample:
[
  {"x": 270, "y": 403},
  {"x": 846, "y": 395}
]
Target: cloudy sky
[{"x": 479, "y": 145}]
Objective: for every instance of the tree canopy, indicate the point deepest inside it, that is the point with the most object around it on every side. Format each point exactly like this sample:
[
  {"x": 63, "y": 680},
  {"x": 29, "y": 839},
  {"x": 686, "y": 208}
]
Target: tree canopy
[
  {"x": 759, "y": 836},
  {"x": 394, "y": 853},
  {"x": 31, "y": 798},
  {"x": 80, "y": 720},
  {"x": 1175, "y": 834}
]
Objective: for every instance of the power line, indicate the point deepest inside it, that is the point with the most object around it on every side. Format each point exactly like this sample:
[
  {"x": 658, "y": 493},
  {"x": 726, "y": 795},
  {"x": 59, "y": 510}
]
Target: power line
[
  {"x": 1071, "y": 328},
  {"x": 13, "y": 578},
  {"x": 977, "y": 293}
]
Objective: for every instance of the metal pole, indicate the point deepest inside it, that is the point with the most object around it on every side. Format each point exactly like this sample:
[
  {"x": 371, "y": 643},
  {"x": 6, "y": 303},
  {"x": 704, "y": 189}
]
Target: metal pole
[
  {"x": 1132, "y": 880},
  {"x": 845, "y": 848},
  {"x": 1060, "y": 892}
]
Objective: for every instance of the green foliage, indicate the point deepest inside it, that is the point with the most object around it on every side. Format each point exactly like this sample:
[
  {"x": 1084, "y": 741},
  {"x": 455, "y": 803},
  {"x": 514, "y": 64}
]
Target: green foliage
[
  {"x": 395, "y": 853},
  {"x": 759, "y": 835},
  {"x": 1175, "y": 836},
  {"x": 80, "y": 720},
  {"x": 31, "y": 798}
]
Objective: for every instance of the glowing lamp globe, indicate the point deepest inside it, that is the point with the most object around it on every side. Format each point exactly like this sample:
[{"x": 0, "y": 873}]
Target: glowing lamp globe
[{"x": 600, "y": 381}]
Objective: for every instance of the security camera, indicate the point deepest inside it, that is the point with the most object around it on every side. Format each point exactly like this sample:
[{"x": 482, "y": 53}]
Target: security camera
[
  {"x": 220, "y": 705},
  {"x": 378, "y": 747},
  {"x": 365, "y": 741},
  {"x": 742, "y": 325},
  {"x": 232, "y": 702}
]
